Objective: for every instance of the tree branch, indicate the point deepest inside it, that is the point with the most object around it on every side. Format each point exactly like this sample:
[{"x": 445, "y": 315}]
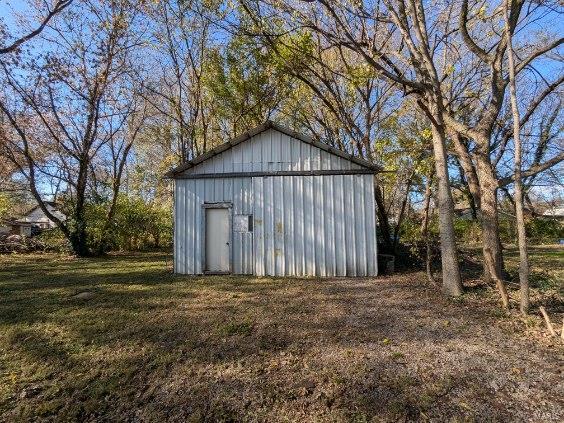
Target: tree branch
[
  {"x": 59, "y": 7},
  {"x": 533, "y": 170},
  {"x": 470, "y": 43},
  {"x": 539, "y": 52},
  {"x": 507, "y": 133}
]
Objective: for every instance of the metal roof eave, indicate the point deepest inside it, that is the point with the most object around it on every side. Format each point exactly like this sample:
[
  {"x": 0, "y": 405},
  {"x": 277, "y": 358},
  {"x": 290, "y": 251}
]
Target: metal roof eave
[{"x": 259, "y": 129}]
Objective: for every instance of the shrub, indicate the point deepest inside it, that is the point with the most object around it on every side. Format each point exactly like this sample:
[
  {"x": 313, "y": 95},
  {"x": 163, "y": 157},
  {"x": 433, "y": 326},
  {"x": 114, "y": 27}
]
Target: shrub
[
  {"x": 49, "y": 240},
  {"x": 543, "y": 230},
  {"x": 468, "y": 231},
  {"x": 53, "y": 240},
  {"x": 136, "y": 225}
]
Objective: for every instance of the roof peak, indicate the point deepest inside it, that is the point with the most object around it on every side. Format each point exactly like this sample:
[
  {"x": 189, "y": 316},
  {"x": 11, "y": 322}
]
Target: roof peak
[{"x": 269, "y": 124}]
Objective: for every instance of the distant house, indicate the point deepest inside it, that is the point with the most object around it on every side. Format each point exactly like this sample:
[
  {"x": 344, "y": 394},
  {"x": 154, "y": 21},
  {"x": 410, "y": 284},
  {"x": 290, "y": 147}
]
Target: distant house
[
  {"x": 5, "y": 227},
  {"x": 34, "y": 220},
  {"x": 463, "y": 212},
  {"x": 555, "y": 213},
  {"x": 13, "y": 227}
]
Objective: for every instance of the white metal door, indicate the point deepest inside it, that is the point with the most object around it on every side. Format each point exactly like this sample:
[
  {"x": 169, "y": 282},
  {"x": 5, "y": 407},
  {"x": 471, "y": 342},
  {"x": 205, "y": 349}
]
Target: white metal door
[{"x": 217, "y": 240}]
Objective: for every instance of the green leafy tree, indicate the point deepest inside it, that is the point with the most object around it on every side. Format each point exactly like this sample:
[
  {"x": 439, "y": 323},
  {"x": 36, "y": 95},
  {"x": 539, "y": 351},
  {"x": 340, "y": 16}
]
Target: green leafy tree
[{"x": 244, "y": 85}]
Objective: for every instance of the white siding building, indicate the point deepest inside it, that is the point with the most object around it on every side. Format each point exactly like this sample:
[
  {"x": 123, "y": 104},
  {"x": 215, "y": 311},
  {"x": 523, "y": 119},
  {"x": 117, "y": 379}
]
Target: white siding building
[
  {"x": 274, "y": 202},
  {"x": 33, "y": 220},
  {"x": 38, "y": 218}
]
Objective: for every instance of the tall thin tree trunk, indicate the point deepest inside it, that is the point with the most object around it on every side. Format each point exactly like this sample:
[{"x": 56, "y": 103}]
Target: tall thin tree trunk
[
  {"x": 425, "y": 228},
  {"x": 522, "y": 239},
  {"x": 402, "y": 212},
  {"x": 452, "y": 283},
  {"x": 482, "y": 183},
  {"x": 383, "y": 222}
]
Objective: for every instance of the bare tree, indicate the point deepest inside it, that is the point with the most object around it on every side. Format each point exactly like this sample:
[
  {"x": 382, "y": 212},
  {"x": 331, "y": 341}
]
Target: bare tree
[
  {"x": 416, "y": 49},
  {"x": 522, "y": 237},
  {"x": 400, "y": 51},
  {"x": 51, "y": 11},
  {"x": 475, "y": 117},
  {"x": 118, "y": 151},
  {"x": 71, "y": 103},
  {"x": 183, "y": 39}
]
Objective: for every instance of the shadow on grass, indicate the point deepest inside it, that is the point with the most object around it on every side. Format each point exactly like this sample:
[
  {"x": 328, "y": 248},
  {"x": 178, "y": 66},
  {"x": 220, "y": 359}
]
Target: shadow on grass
[{"x": 220, "y": 348}]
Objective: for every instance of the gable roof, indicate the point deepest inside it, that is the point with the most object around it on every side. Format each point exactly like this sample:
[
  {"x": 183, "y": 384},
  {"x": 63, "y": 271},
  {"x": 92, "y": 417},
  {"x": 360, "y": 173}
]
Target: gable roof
[
  {"x": 259, "y": 129},
  {"x": 53, "y": 204}
]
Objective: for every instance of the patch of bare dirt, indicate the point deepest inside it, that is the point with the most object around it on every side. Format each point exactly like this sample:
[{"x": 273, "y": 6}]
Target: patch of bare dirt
[{"x": 339, "y": 350}]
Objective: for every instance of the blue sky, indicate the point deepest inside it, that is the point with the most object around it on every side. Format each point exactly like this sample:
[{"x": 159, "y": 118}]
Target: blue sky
[
  {"x": 7, "y": 9},
  {"x": 552, "y": 22}
]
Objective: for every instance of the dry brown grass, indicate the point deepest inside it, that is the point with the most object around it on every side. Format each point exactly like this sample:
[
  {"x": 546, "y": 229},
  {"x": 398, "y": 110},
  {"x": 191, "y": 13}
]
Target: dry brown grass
[{"x": 151, "y": 346}]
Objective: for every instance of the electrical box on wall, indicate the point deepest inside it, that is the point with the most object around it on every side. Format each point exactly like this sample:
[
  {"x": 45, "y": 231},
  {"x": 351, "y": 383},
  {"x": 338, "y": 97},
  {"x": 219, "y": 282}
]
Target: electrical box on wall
[{"x": 243, "y": 223}]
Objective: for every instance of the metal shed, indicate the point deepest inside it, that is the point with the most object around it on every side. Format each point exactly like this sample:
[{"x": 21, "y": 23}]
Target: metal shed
[{"x": 274, "y": 202}]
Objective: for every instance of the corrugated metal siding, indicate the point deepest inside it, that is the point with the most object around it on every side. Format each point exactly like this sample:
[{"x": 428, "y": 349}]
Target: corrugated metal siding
[
  {"x": 190, "y": 195},
  {"x": 303, "y": 225},
  {"x": 271, "y": 151}
]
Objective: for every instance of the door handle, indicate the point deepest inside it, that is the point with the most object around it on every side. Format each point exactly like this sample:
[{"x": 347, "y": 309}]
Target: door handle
[{"x": 226, "y": 243}]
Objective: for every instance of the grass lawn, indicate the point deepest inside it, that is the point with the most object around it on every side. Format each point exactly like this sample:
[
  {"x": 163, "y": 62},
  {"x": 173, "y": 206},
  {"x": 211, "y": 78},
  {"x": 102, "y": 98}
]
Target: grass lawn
[{"x": 146, "y": 345}]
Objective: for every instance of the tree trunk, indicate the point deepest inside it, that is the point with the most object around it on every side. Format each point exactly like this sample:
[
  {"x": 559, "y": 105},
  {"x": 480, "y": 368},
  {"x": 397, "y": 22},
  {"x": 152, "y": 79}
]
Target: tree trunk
[
  {"x": 465, "y": 161},
  {"x": 483, "y": 187},
  {"x": 481, "y": 178},
  {"x": 452, "y": 283},
  {"x": 491, "y": 246},
  {"x": 402, "y": 213},
  {"x": 383, "y": 221},
  {"x": 425, "y": 228},
  {"x": 522, "y": 238},
  {"x": 78, "y": 239}
]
